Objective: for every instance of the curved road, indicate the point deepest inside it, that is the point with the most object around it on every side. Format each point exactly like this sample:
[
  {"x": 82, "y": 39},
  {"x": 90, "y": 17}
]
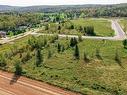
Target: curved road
[
  {"x": 119, "y": 33},
  {"x": 25, "y": 86}
]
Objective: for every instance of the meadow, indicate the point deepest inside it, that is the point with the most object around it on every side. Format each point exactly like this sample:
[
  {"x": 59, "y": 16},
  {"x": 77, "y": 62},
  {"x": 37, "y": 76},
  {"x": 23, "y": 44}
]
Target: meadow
[
  {"x": 102, "y": 27},
  {"x": 123, "y": 23},
  {"x": 103, "y": 76}
]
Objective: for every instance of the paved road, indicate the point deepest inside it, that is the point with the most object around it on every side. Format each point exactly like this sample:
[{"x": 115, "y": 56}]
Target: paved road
[
  {"x": 10, "y": 39},
  {"x": 119, "y": 33},
  {"x": 25, "y": 86}
]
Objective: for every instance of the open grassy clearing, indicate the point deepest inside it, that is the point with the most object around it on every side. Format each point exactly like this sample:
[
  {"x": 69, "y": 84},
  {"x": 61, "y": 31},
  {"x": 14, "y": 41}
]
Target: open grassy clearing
[
  {"x": 97, "y": 77},
  {"x": 102, "y": 26},
  {"x": 123, "y": 23}
]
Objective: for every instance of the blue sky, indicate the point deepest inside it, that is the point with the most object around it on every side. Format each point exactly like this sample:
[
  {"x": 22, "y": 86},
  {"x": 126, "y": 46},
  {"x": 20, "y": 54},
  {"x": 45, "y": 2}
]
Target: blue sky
[{"x": 57, "y": 2}]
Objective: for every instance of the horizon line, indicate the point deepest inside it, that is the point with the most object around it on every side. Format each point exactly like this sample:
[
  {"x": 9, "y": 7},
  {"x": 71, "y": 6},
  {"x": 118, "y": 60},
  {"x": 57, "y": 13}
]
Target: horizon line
[{"x": 59, "y": 4}]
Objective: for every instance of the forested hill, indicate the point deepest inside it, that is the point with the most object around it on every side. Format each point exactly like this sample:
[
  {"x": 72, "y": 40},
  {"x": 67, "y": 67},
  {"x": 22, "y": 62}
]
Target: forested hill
[
  {"x": 89, "y": 10},
  {"x": 4, "y": 8}
]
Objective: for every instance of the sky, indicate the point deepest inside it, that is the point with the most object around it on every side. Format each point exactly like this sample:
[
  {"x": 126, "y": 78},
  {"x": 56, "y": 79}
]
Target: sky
[{"x": 57, "y": 2}]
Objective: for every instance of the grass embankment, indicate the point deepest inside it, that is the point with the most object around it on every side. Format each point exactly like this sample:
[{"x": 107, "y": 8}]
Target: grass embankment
[{"x": 98, "y": 77}]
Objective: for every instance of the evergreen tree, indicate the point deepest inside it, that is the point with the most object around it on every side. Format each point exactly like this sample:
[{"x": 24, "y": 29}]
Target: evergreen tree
[
  {"x": 73, "y": 42},
  {"x": 125, "y": 43},
  {"x": 58, "y": 47},
  {"x": 59, "y": 27},
  {"x": 76, "y": 52},
  {"x": 72, "y": 26},
  {"x": 39, "y": 58},
  {"x": 18, "y": 68}
]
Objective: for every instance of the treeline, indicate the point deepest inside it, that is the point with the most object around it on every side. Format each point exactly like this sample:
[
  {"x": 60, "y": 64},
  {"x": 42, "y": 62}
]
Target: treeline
[
  {"x": 118, "y": 10},
  {"x": 18, "y": 22}
]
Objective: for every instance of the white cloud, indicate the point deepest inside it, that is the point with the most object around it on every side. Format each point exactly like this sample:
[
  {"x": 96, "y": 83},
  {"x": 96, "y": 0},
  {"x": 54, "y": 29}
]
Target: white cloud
[{"x": 57, "y": 2}]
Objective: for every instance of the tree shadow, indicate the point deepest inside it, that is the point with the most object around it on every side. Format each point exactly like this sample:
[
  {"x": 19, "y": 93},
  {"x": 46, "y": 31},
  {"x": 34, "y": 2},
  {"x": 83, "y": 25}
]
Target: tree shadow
[
  {"x": 14, "y": 79},
  {"x": 120, "y": 64}
]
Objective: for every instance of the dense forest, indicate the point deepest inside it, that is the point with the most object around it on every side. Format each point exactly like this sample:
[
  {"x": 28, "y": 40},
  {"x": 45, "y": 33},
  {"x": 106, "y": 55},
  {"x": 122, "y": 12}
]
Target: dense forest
[{"x": 18, "y": 22}]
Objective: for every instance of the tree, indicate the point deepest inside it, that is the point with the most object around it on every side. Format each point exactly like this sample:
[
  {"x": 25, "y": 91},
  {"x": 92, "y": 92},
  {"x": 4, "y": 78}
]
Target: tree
[
  {"x": 125, "y": 43},
  {"x": 58, "y": 47},
  {"x": 72, "y": 26},
  {"x": 18, "y": 68},
  {"x": 73, "y": 42},
  {"x": 59, "y": 27},
  {"x": 39, "y": 58},
  {"x": 76, "y": 52},
  {"x": 89, "y": 30}
]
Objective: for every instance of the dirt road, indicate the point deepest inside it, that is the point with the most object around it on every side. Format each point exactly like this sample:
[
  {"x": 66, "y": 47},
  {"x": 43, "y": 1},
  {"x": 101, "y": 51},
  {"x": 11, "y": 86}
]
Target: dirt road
[{"x": 25, "y": 86}]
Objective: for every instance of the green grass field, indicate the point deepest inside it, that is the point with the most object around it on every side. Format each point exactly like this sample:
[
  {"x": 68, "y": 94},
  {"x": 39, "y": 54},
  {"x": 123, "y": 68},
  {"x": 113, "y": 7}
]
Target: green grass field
[
  {"x": 102, "y": 26},
  {"x": 98, "y": 77},
  {"x": 123, "y": 23}
]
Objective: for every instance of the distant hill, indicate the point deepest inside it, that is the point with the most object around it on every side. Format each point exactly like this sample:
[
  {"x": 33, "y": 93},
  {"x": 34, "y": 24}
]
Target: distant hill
[{"x": 6, "y": 8}]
